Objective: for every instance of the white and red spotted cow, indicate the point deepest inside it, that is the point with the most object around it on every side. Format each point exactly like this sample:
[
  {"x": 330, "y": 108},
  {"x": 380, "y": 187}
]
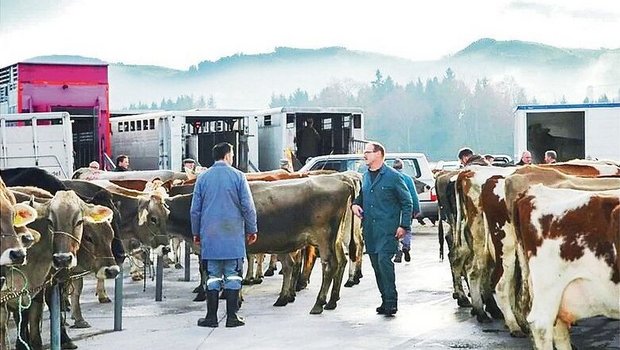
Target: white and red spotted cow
[{"x": 570, "y": 240}]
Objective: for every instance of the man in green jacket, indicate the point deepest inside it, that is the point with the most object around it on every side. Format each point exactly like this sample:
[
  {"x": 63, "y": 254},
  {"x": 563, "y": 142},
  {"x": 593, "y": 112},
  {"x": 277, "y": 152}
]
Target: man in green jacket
[{"x": 385, "y": 207}]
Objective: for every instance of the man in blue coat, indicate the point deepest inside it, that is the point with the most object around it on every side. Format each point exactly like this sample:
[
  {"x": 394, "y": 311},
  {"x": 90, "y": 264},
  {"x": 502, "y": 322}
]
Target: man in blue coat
[
  {"x": 223, "y": 218},
  {"x": 385, "y": 206},
  {"x": 406, "y": 241}
]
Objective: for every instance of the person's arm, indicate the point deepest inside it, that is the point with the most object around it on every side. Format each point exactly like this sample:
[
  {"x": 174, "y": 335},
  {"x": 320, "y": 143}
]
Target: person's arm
[
  {"x": 196, "y": 210},
  {"x": 405, "y": 201},
  {"x": 248, "y": 210},
  {"x": 356, "y": 207}
]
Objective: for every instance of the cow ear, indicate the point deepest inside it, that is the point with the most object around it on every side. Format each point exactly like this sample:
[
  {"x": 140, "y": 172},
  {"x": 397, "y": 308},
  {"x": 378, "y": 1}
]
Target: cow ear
[
  {"x": 97, "y": 214},
  {"x": 24, "y": 214},
  {"x": 142, "y": 216}
]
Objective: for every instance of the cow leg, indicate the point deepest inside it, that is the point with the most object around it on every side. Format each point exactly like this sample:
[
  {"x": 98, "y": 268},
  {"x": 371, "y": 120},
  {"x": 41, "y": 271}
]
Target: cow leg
[
  {"x": 287, "y": 270},
  {"x": 561, "y": 336},
  {"x": 329, "y": 266},
  {"x": 76, "y": 311},
  {"x": 475, "y": 281},
  {"x": 176, "y": 249},
  {"x": 30, "y": 340},
  {"x": 260, "y": 260},
  {"x": 456, "y": 269},
  {"x": 505, "y": 290},
  {"x": 272, "y": 265},
  {"x": 4, "y": 319},
  {"x": 309, "y": 258},
  {"x": 102, "y": 294},
  {"x": 341, "y": 264},
  {"x": 249, "y": 274},
  {"x": 546, "y": 304},
  {"x": 201, "y": 293}
]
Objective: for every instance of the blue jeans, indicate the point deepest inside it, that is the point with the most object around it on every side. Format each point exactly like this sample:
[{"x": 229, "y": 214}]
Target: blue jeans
[
  {"x": 223, "y": 273},
  {"x": 406, "y": 240}
]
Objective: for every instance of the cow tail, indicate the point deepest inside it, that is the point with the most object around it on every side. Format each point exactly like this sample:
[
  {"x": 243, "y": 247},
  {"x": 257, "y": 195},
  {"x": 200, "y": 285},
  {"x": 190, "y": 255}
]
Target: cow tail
[{"x": 440, "y": 232}]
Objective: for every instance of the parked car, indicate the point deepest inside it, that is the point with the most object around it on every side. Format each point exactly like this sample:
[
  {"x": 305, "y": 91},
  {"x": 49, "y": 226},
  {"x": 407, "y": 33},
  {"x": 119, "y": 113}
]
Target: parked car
[{"x": 415, "y": 165}]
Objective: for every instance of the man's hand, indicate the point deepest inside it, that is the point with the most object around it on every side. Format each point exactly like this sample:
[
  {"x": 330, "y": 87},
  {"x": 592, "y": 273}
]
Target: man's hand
[
  {"x": 358, "y": 211},
  {"x": 251, "y": 238},
  {"x": 197, "y": 240},
  {"x": 400, "y": 232}
]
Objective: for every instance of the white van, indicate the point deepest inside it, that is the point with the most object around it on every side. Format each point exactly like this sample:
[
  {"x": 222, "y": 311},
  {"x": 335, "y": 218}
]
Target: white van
[{"x": 415, "y": 165}]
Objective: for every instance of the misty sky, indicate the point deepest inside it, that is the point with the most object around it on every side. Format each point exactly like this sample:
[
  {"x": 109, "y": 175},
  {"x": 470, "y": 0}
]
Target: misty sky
[{"x": 180, "y": 33}]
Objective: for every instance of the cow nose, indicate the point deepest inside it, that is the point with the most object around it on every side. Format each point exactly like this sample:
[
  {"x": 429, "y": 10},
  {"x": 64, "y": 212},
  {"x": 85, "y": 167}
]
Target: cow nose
[
  {"x": 62, "y": 260},
  {"x": 17, "y": 256},
  {"x": 111, "y": 272}
]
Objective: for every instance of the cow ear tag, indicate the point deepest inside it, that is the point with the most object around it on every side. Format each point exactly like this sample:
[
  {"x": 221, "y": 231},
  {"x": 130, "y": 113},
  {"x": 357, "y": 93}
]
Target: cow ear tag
[{"x": 24, "y": 215}]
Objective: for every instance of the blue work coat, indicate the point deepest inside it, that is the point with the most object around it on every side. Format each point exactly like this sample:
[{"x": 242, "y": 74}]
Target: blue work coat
[
  {"x": 414, "y": 195},
  {"x": 387, "y": 204},
  {"x": 222, "y": 212}
]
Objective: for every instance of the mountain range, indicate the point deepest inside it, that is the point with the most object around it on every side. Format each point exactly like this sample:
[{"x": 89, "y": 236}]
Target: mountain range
[{"x": 550, "y": 74}]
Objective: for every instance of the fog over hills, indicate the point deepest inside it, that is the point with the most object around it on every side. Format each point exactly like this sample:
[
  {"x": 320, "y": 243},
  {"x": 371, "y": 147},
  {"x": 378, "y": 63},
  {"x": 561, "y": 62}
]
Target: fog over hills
[{"x": 248, "y": 81}]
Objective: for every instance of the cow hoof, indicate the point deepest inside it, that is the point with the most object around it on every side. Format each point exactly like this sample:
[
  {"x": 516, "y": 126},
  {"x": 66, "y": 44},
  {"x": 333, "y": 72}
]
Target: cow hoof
[
  {"x": 331, "y": 305},
  {"x": 316, "y": 310},
  {"x": 247, "y": 282},
  {"x": 349, "y": 284},
  {"x": 517, "y": 334},
  {"x": 280, "y": 273},
  {"x": 291, "y": 299},
  {"x": 483, "y": 318},
  {"x": 104, "y": 300},
  {"x": 300, "y": 286},
  {"x": 200, "y": 296},
  {"x": 282, "y": 301},
  {"x": 137, "y": 278},
  {"x": 258, "y": 281},
  {"x": 463, "y": 302},
  {"x": 269, "y": 272},
  {"x": 198, "y": 289},
  {"x": 69, "y": 345},
  {"x": 178, "y": 266},
  {"x": 81, "y": 324}
]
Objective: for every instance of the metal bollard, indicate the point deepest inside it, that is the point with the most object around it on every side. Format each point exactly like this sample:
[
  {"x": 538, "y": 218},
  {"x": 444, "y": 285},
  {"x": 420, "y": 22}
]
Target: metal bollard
[
  {"x": 187, "y": 256},
  {"x": 118, "y": 301},
  {"x": 159, "y": 276},
  {"x": 55, "y": 318}
]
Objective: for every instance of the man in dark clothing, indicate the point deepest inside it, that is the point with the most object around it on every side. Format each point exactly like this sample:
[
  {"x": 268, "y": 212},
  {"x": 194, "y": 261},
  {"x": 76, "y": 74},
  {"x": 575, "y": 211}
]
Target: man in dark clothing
[
  {"x": 385, "y": 207},
  {"x": 122, "y": 163},
  {"x": 526, "y": 158},
  {"x": 308, "y": 141},
  {"x": 467, "y": 157}
]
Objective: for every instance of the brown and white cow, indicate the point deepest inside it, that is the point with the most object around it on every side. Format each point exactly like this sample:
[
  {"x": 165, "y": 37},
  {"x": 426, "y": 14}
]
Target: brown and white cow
[
  {"x": 472, "y": 235},
  {"x": 571, "y": 240},
  {"x": 13, "y": 233}
]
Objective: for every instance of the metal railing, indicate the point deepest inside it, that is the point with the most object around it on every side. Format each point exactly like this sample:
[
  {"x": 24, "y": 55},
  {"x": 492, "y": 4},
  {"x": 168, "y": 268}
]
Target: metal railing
[{"x": 357, "y": 146}]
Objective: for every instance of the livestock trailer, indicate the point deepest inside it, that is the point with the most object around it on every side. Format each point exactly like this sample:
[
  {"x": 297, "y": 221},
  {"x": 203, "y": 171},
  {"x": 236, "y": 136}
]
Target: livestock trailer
[
  {"x": 341, "y": 130},
  {"x": 161, "y": 140},
  {"x": 78, "y": 89},
  {"x": 572, "y": 130},
  {"x": 37, "y": 140}
]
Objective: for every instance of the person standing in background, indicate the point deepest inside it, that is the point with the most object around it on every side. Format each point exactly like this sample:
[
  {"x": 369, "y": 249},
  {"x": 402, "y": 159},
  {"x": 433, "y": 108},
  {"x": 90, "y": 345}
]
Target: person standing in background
[
  {"x": 406, "y": 241},
  {"x": 308, "y": 141},
  {"x": 550, "y": 157},
  {"x": 122, "y": 163}
]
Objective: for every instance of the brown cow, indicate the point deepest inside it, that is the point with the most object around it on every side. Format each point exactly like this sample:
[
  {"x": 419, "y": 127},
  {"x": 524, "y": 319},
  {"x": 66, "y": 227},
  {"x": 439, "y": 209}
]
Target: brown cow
[{"x": 571, "y": 240}]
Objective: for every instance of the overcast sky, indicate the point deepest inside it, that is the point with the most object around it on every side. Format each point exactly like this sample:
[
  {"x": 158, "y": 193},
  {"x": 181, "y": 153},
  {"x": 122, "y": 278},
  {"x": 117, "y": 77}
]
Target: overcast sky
[{"x": 178, "y": 33}]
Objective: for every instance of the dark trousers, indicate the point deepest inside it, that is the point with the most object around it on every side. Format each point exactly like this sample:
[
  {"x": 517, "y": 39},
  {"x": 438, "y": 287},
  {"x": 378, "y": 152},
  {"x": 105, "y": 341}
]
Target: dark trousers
[{"x": 386, "y": 278}]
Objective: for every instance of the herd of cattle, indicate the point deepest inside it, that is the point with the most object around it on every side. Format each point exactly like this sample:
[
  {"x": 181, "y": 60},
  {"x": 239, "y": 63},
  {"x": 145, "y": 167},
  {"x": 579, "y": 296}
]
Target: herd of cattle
[
  {"x": 56, "y": 231},
  {"x": 536, "y": 245}
]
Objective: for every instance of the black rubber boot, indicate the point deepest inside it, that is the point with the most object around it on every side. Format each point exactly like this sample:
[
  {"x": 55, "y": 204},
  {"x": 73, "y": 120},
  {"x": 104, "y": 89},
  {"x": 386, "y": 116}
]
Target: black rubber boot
[
  {"x": 232, "y": 306},
  {"x": 212, "y": 303}
]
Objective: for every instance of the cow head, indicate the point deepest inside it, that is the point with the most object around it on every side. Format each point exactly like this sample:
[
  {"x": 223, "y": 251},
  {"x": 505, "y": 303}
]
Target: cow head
[
  {"x": 13, "y": 232},
  {"x": 65, "y": 214},
  {"x": 95, "y": 252},
  {"x": 152, "y": 218}
]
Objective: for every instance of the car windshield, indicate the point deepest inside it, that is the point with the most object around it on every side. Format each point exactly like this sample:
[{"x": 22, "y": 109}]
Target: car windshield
[{"x": 410, "y": 166}]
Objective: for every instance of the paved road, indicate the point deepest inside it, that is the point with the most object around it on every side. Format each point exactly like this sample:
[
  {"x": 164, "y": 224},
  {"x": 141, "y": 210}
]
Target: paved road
[{"x": 428, "y": 317}]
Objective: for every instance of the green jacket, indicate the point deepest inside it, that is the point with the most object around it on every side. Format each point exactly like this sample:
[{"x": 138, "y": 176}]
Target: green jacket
[{"x": 387, "y": 204}]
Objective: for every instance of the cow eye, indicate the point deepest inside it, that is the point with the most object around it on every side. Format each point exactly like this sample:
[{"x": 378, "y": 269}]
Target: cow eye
[
  {"x": 79, "y": 222},
  {"x": 153, "y": 220}
]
